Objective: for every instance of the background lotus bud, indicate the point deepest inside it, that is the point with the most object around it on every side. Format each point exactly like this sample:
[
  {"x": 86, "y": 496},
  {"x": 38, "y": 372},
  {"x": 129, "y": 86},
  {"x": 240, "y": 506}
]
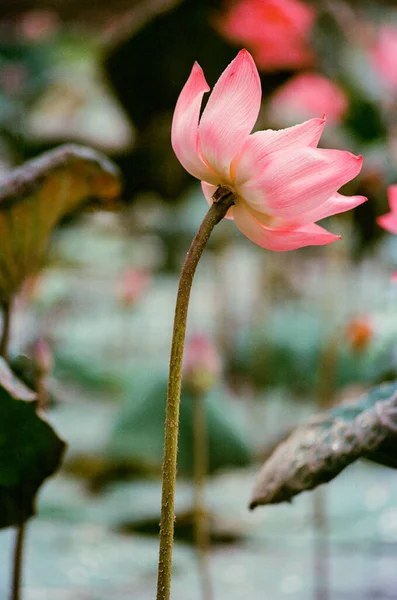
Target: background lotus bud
[
  {"x": 38, "y": 25},
  {"x": 359, "y": 333},
  {"x": 42, "y": 356},
  {"x": 277, "y": 32},
  {"x": 308, "y": 95},
  {"x": 202, "y": 364},
  {"x": 384, "y": 55},
  {"x": 133, "y": 284}
]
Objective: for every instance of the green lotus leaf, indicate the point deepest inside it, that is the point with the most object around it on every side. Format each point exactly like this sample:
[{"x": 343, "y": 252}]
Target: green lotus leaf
[
  {"x": 37, "y": 195},
  {"x": 318, "y": 451},
  {"x": 138, "y": 436},
  {"x": 30, "y": 450}
]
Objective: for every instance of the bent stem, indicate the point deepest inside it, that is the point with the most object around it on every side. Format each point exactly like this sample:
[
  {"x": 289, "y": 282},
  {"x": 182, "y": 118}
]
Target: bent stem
[
  {"x": 20, "y": 530},
  {"x": 223, "y": 200}
]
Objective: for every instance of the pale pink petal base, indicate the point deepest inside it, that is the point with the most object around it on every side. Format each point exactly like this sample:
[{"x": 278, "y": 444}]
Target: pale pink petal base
[
  {"x": 280, "y": 240},
  {"x": 208, "y": 191}
]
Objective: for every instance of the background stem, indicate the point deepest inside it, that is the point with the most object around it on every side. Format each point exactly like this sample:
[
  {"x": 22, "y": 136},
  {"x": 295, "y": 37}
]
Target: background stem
[
  {"x": 321, "y": 546},
  {"x": 201, "y": 520},
  {"x": 17, "y": 562},
  {"x": 217, "y": 211},
  {"x": 5, "y": 334},
  {"x": 20, "y": 530}
]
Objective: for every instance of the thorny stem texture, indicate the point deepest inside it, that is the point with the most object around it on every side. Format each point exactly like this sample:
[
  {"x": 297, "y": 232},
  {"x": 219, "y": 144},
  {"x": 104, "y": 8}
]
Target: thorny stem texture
[
  {"x": 223, "y": 200},
  {"x": 20, "y": 530}
]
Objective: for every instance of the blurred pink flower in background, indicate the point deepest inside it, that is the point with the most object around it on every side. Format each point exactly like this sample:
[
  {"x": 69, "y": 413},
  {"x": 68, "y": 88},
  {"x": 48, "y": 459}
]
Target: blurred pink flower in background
[
  {"x": 38, "y": 25},
  {"x": 132, "y": 285},
  {"x": 42, "y": 355},
  {"x": 277, "y": 32},
  {"x": 389, "y": 220},
  {"x": 309, "y": 95},
  {"x": 384, "y": 55},
  {"x": 202, "y": 364},
  {"x": 13, "y": 77},
  {"x": 281, "y": 181}
]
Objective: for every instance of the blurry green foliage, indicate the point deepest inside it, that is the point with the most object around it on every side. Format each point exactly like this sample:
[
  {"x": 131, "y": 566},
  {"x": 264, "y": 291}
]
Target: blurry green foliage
[
  {"x": 139, "y": 431},
  {"x": 288, "y": 351}
]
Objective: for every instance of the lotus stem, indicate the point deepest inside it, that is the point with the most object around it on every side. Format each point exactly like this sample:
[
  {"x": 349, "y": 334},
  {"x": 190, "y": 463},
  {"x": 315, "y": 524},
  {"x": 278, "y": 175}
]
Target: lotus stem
[
  {"x": 18, "y": 562},
  {"x": 201, "y": 522},
  {"x": 223, "y": 200},
  {"x": 5, "y": 335},
  {"x": 20, "y": 530}
]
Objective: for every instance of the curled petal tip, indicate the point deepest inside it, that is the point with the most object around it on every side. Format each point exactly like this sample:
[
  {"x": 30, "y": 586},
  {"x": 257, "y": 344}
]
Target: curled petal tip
[
  {"x": 359, "y": 159},
  {"x": 198, "y": 73},
  {"x": 245, "y": 55}
]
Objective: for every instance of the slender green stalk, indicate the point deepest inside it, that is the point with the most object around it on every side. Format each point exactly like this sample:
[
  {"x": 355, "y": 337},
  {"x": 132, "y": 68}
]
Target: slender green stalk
[
  {"x": 20, "y": 530},
  {"x": 223, "y": 200},
  {"x": 18, "y": 561},
  {"x": 201, "y": 523}
]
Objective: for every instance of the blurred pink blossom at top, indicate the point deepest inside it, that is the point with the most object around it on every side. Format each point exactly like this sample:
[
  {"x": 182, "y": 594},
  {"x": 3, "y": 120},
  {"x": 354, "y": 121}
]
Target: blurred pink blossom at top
[
  {"x": 309, "y": 95},
  {"x": 384, "y": 55},
  {"x": 277, "y": 32},
  {"x": 281, "y": 182}
]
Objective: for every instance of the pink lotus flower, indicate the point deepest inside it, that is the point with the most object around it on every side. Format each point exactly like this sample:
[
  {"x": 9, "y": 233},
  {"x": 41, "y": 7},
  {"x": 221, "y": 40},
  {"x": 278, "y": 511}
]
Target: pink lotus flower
[
  {"x": 276, "y": 31},
  {"x": 384, "y": 55},
  {"x": 389, "y": 220},
  {"x": 281, "y": 181},
  {"x": 307, "y": 95}
]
